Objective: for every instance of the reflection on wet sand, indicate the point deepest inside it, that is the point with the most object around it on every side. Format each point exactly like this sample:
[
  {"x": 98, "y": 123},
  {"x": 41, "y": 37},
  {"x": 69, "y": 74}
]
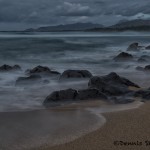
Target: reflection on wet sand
[{"x": 31, "y": 129}]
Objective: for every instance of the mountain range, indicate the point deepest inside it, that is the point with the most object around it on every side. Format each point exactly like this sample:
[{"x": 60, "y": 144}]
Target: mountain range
[
  {"x": 67, "y": 27},
  {"x": 135, "y": 25}
]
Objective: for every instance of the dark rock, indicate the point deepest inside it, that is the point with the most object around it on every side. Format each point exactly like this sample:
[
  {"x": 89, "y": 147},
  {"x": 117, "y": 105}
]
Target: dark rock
[
  {"x": 133, "y": 47},
  {"x": 148, "y": 47},
  {"x": 32, "y": 79},
  {"x": 74, "y": 95},
  {"x": 42, "y": 71},
  {"x": 6, "y": 68},
  {"x": 139, "y": 68},
  {"x": 75, "y": 74},
  {"x": 90, "y": 94},
  {"x": 123, "y": 57},
  {"x": 63, "y": 95},
  {"x": 111, "y": 84}
]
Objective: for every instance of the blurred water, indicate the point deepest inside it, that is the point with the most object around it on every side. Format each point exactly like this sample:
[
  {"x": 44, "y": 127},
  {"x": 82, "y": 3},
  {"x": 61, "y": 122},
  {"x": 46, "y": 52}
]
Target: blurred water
[{"x": 61, "y": 51}]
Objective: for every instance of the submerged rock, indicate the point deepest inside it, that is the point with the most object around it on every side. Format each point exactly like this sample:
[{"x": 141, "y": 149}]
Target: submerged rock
[
  {"x": 75, "y": 74},
  {"x": 42, "y": 71},
  {"x": 133, "y": 47},
  {"x": 123, "y": 57},
  {"x": 32, "y": 79},
  {"x": 111, "y": 84},
  {"x": 6, "y": 68}
]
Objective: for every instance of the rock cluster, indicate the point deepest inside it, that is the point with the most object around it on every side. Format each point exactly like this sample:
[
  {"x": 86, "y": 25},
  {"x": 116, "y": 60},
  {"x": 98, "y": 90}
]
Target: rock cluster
[{"x": 106, "y": 87}]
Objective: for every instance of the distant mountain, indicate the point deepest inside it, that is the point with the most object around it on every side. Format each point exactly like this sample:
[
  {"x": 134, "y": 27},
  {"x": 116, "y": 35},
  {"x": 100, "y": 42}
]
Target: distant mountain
[
  {"x": 123, "y": 25},
  {"x": 67, "y": 27},
  {"x": 131, "y": 24}
]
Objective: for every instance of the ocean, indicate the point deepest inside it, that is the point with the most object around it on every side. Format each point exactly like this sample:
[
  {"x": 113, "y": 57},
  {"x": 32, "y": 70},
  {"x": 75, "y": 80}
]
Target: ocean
[{"x": 61, "y": 51}]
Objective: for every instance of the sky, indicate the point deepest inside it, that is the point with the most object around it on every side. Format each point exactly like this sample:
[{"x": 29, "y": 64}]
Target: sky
[{"x": 22, "y": 14}]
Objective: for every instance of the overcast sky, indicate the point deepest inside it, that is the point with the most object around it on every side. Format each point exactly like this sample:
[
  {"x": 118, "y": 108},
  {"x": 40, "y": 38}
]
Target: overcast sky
[{"x": 21, "y": 14}]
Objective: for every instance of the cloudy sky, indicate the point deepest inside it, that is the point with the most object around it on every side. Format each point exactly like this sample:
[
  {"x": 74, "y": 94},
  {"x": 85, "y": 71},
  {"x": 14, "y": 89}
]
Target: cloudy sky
[{"x": 21, "y": 14}]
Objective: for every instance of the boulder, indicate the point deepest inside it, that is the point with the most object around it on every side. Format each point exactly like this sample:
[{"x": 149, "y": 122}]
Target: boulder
[
  {"x": 63, "y": 95},
  {"x": 111, "y": 84},
  {"x": 6, "y": 68},
  {"x": 133, "y": 47},
  {"x": 32, "y": 79},
  {"x": 68, "y": 74},
  {"x": 123, "y": 57},
  {"x": 41, "y": 70},
  {"x": 90, "y": 94},
  {"x": 74, "y": 95}
]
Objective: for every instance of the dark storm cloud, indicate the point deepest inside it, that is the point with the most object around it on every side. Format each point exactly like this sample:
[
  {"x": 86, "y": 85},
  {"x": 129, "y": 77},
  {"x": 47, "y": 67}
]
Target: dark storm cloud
[
  {"x": 73, "y": 9},
  {"x": 50, "y": 12}
]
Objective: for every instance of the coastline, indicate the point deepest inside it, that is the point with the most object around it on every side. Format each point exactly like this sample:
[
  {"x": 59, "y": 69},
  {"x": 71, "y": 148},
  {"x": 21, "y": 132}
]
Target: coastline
[{"x": 127, "y": 126}]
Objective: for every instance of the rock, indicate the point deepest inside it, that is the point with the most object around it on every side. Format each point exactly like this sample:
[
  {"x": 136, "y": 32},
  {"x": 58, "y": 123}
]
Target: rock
[
  {"x": 63, "y": 95},
  {"x": 139, "y": 68},
  {"x": 123, "y": 57},
  {"x": 32, "y": 79},
  {"x": 148, "y": 47},
  {"x": 111, "y": 84},
  {"x": 75, "y": 74},
  {"x": 74, "y": 95},
  {"x": 42, "y": 71},
  {"x": 6, "y": 68},
  {"x": 133, "y": 47},
  {"x": 90, "y": 94}
]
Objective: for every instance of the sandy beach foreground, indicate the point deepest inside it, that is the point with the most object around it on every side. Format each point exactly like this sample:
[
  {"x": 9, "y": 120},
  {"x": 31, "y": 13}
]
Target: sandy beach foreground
[{"x": 126, "y": 126}]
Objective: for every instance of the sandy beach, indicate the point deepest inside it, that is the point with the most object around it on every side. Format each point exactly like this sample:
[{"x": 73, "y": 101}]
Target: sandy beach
[{"x": 126, "y": 126}]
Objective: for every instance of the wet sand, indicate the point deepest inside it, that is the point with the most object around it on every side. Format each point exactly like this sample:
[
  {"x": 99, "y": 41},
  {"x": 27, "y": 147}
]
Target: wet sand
[
  {"x": 127, "y": 126},
  {"x": 33, "y": 129}
]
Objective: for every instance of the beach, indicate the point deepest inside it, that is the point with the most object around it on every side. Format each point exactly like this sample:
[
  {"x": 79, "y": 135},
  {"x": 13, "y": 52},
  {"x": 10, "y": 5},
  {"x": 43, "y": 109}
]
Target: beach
[
  {"x": 74, "y": 91},
  {"x": 127, "y": 126}
]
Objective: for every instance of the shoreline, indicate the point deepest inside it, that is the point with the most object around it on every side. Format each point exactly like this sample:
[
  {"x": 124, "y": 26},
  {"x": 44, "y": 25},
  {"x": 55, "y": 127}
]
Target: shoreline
[
  {"x": 21, "y": 130},
  {"x": 126, "y": 126},
  {"x": 106, "y": 111}
]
